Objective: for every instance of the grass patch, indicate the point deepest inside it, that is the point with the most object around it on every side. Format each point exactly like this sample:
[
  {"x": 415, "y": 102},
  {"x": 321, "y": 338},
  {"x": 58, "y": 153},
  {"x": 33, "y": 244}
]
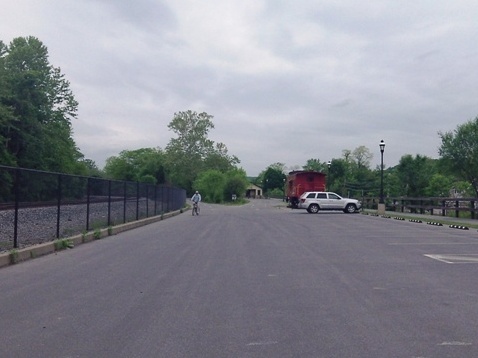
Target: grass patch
[
  {"x": 63, "y": 244},
  {"x": 97, "y": 234},
  {"x": 13, "y": 253}
]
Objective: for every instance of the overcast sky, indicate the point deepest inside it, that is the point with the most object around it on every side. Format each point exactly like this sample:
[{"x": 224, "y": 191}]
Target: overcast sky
[{"x": 286, "y": 81}]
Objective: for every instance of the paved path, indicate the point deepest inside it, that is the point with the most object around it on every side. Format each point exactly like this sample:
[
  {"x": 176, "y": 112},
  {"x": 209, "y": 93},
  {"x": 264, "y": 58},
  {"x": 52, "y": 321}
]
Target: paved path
[{"x": 258, "y": 280}]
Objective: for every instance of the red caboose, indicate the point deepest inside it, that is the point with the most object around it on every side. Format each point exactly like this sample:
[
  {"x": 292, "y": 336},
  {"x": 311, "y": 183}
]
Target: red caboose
[{"x": 300, "y": 181}]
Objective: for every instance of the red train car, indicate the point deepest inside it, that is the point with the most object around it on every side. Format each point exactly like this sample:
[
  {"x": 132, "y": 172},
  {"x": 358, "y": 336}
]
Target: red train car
[{"x": 300, "y": 181}]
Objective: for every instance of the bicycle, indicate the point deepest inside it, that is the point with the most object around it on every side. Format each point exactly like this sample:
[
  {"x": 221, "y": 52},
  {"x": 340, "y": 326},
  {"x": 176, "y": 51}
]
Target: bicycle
[{"x": 195, "y": 209}]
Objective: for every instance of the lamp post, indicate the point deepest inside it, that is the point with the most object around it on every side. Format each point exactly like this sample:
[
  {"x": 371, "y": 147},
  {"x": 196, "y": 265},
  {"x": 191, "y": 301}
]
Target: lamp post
[
  {"x": 283, "y": 189},
  {"x": 329, "y": 164},
  {"x": 381, "y": 205}
]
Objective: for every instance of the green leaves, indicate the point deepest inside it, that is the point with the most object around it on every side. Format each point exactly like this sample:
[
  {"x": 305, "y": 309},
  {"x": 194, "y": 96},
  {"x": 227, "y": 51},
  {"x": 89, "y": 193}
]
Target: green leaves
[
  {"x": 192, "y": 130},
  {"x": 210, "y": 184},
  {"x": 145, "y": 165},
  {"x": 415, "y": 174},
  {"x": 216, "y": 186},
  {"x": 459, "y": 150},
  {"x": 36, "y": 109},
  {"x": 192, "y": 152},
  {"x": 188, "y": 159}
]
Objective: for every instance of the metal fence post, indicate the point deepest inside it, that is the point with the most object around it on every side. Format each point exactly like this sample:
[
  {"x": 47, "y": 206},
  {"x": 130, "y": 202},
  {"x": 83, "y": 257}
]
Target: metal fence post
[
  {"x": 155, "y": 200},
  {"x": 169, "y": 200},
  {"x": 147, "y": 201},
  {"x": 88, "y": 194},
  {"x": 124, "y": 202},
  {"x": 58, "y": 210},
  {"x": 109, "y": 202},
  {"x": 137, "y": 200},
  {"x": 57, "y": 190},
  {"x": 17, "y": 204}
]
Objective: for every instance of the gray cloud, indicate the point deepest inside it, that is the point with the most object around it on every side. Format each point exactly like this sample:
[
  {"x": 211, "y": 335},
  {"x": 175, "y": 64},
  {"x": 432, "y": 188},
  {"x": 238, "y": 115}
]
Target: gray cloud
[{"x": 285, "y": 81}]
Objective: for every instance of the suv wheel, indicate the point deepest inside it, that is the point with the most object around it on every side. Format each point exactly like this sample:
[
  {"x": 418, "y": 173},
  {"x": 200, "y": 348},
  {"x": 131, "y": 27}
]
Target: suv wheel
[
  {"x": 350, "y": 208},
  {"x": 313, "y": 209}
]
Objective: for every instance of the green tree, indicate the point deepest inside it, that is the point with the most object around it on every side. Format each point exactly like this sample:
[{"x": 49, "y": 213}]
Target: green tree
[
  {"x": 192, "y": 152},
  {"x": 236, "y": 183},
  {"x": 459, "y": 151},
  {"x": 335, "y": 175},
  {"x": 186, "y": 153},
  {"x": 143, "y": 165},
  {"x": 316, "y": 165},
  {"x": 37, "y": 107},
  {"x": 359, "y": 178},
  {"x": 439, "y": 185},
  {"x": 219, "y": 159},
  {"x": 350, "y": 174},
  {"x": 391, "y": 183},
  {"x": 92, "y": 169},
  {"x": 6, "y": 112},
  {"x": 362, "y": 156},
  {"x": 272, "y": 178},
  {"x": 464, "y": 188},
  {"x": 211, "y": 184},
  {"x": 415, "y": 174}
]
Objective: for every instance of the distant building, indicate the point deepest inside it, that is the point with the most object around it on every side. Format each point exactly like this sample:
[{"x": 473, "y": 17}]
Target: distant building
[{"x": 253, "y": 191}]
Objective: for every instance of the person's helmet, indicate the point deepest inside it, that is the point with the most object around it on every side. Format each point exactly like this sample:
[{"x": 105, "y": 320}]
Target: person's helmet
[{"x": 197, "y": 192}]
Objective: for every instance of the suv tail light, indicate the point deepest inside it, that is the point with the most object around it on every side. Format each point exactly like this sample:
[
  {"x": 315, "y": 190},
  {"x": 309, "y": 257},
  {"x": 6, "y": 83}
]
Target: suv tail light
[{"x": 302, "y": 200}]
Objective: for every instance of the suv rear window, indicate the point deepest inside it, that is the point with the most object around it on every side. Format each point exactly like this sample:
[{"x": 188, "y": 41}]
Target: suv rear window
[
  {"x": 311, "y": 196},
  {"x": 321, "y": 196}
]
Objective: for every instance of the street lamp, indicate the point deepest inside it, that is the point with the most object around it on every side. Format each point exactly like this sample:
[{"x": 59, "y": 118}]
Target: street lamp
[
  {"x": 382, "y": 149},
  {"x": 283, "y": 189},
  {"x": 329, "y": 164}
]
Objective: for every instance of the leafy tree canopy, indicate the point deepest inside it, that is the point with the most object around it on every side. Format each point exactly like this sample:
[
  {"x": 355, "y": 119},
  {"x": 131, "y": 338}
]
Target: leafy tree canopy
[
  {"x": 236, "y": 184},
  {"x": 192, "y": 152},
  {"x": 211, "y": 184},
  {"x": 316, "y": 165},
  {"x": 459, "y": 150},
  {"x": 144, "y": 165},
  {"x": 272, "y": 178},
  {"x": 36, "y": 110},
  {"x": 414, "y": 174}
]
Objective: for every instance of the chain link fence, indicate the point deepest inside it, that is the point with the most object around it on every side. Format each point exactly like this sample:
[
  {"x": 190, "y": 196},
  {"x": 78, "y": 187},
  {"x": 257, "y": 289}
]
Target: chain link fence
[{"x": 38, "y": 206}]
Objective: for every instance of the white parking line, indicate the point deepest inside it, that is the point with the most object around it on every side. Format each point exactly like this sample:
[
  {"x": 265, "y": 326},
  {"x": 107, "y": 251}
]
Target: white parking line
[
  {"x": 455, "y": 258},
  {"x": 265, "y": 343},
  {"x": 455, "y": 343},
  {"x": 432, "y": 243}
]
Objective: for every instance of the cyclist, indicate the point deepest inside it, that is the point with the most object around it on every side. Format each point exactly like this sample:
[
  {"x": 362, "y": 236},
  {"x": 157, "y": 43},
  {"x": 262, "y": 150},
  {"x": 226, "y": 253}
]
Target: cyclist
[{"x": 196, "y": 199}]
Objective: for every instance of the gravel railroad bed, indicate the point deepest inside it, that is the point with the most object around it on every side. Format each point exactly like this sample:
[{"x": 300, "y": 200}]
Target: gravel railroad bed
[{"x": 38, "y": 225}]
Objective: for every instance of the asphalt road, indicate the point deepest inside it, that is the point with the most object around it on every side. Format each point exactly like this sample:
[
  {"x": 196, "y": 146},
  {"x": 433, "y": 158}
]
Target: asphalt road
[{"x": 258, "y": 280}]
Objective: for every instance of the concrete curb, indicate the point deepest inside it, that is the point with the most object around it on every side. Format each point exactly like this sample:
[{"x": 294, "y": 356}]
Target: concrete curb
[{"x": 15, "y": 256}]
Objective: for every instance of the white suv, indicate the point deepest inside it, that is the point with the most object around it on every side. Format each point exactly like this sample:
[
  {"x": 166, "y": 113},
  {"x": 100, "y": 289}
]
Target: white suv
[{"x": 314, "y": 201}]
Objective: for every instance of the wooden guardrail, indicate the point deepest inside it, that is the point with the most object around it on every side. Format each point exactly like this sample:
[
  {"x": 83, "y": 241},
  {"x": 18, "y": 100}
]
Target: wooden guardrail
[{"x": 466, "y": 207}]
